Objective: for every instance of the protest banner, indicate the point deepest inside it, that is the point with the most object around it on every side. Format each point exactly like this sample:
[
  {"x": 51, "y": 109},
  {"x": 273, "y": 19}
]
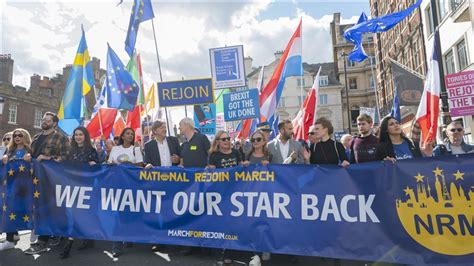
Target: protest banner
[
  {"x": 227, "y": 66},
  {"x": 363, "y": 212},
  {"x": 460, "y": 89},
  {"x": 241, "y": 105},
  {"x": 185, "y": 92}
]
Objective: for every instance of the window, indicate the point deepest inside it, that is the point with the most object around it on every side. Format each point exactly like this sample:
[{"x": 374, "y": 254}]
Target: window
[
  {"x": 12, "y": 114},
  {"x": 38, "y": 117},
  {"x": 281, "y": 103},
  {"x": 429, "y": 20},
  {"x": 300, "y": 81},
  {"x": 443, "y": 7},
  {"x": 416, "y": 55},
  {"x": 449, "y": 61},
  {"x": 372, "y": 82},
  {"x": 353, "y": 83},
  {"x": 462, "y": 55},
  {"x": 323, "y": 81},
  {"x": 372, "y": 60},
  {"x": 301, "y": 100},
  {"x": 351, "y": 63},
  {"x": 323, "y": 99},
  {"x": 354, "y": 114}
]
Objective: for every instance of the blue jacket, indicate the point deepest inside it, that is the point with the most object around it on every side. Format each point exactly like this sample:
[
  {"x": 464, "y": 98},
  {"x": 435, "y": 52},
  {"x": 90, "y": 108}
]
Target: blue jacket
[{"x": 445, "y": 148}]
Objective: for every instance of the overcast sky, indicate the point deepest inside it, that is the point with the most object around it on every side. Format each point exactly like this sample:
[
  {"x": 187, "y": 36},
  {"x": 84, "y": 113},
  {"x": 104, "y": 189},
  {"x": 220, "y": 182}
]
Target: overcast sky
[{"x": 42, "y": 37}]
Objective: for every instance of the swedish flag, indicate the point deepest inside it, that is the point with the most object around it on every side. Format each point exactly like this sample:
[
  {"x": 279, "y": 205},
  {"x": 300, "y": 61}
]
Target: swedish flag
[{"x": 80, "y": 82}]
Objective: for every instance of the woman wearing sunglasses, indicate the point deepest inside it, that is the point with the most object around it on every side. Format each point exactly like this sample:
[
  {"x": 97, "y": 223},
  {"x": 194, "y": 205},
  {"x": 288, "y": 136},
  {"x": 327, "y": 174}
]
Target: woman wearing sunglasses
[
  {"x": 394, "y": 145},
  {"x": 221, "y": 154},
  {"x": 82, "y": 152},
  {"x": 18, "y": 149},
  {"x": 259, "y": 153}
]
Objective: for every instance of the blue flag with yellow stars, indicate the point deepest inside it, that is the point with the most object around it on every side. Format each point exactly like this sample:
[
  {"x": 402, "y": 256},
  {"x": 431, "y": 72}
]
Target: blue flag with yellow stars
[
  {"x": 142, "y": 10},
  {"x": 379, "y": 24},
  {"x": 120, "y": 88},
  {"x": 16, "y": 196}
]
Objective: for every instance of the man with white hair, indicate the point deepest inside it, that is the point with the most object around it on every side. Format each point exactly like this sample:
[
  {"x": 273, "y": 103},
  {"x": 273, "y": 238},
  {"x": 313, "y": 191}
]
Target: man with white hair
[{"x": 194, "y": 151}]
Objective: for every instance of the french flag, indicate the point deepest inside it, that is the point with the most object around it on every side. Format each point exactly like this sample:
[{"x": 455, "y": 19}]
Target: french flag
[
  {"x": 289, "y": 65},
  {"x": 428, "y": 110}
]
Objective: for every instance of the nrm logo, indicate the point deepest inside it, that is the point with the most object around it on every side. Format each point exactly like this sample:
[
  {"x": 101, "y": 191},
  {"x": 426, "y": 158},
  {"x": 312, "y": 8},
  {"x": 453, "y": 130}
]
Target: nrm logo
[{"x": 441, "y": 220}]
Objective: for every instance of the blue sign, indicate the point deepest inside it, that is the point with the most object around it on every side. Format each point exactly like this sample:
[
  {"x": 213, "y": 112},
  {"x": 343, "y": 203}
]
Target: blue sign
[
  {"x": 227, "y": 67},
  {"x": 241, "y": 105},
  {"x": 185, "y": 92},
  {"x": 380, "y": 211},
  {"x": 205, "y": 118}
]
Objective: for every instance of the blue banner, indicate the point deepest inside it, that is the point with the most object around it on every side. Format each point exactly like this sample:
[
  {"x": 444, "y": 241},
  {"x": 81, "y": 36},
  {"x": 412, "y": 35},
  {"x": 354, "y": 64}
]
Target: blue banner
[
  {"x": 399, "y": 213},
  {"x": 185, "y": 92},
  {"x": 241, "y": 105},
  {"x": 205, "y": 118}
]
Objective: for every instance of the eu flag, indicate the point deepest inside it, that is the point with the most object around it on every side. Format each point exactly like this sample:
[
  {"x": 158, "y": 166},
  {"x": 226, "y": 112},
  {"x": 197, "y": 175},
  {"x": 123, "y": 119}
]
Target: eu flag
[
  {"x": 17, "y": 191},
  {"x": 120, "y": 88},
  {"x": 142, "y": 10},
  {"x": 380, "y": 24}
]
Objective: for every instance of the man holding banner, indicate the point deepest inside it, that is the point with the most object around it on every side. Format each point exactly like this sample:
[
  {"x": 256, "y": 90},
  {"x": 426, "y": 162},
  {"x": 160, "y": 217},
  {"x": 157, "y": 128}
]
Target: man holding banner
[
  {"x": 163, "y": 150},
  {"x": 284, "y": 149}
]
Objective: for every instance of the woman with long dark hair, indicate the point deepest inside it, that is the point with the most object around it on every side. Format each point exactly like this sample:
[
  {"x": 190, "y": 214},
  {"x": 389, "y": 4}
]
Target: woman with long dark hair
[
  {"x": 125, "y": 153},
  {"x": 19, "y": 148},
  {"x": 82, "y": 152},
  {"x": 394, "y": 145}
]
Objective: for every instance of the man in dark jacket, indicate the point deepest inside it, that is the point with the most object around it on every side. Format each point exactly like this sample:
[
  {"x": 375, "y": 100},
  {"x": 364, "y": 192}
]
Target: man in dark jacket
[
  {"x": 163, "y": 150},
  {"x": 454, "y": 143}
]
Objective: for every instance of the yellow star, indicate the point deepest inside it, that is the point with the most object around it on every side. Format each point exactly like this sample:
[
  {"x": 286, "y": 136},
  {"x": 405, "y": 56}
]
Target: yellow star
[
  {"x": 36, "y": 194},
  {"x": 26, "y": 218},
  {"x": 35, "y": 181},
  {"x": 408, "y": 191},
  {"x": 12, "y": 216},
  {"x": 11, "y": 172},
  {"x": 21, "y": 168},
  {"x": 438, "y": 171},
  {"x": 419, "y": 178},
  {"x": 4, "y": 207},
  {"x": 459, "y": 175}
]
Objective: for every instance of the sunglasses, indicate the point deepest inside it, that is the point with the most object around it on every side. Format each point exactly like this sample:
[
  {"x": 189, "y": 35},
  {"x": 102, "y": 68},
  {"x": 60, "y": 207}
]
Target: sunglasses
[
  {"x": 224, "y": 139},
  {"x": 6, "y": 139},
  {"x": 456, "y": 129},
  {"x": 258, "y": 139},
  {"x": 311, "y": 133},
  {"x": 18, "y": 135}
]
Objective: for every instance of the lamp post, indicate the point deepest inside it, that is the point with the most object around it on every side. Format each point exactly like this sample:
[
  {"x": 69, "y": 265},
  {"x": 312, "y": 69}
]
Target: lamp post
[{"x": 344, "y": 55}]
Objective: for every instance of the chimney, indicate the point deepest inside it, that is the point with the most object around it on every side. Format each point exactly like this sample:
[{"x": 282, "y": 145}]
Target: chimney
[{"x": 278, "y": 55}]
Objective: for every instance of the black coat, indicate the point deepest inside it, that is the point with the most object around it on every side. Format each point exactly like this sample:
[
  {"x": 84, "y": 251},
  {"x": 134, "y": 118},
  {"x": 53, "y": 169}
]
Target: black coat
[
  {"x": 385, "y": 149},
  {"x": 152, "y": 155}
]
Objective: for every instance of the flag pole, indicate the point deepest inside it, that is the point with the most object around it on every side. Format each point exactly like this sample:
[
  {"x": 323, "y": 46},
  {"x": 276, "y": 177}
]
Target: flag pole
[
  {"x": 302, "y": 75},
  {"x": 375, "y": 83},
  {"x": 159, "y": 69}
]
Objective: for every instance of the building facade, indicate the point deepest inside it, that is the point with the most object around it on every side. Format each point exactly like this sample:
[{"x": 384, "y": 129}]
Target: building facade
[
  {"x": 455, "y": 21},
  {"x": 405, "y": 44},
  {"x": 296, "y": 89},
  {"x": 24, "y": 108},
  {"x": 360, "y": 76}
]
